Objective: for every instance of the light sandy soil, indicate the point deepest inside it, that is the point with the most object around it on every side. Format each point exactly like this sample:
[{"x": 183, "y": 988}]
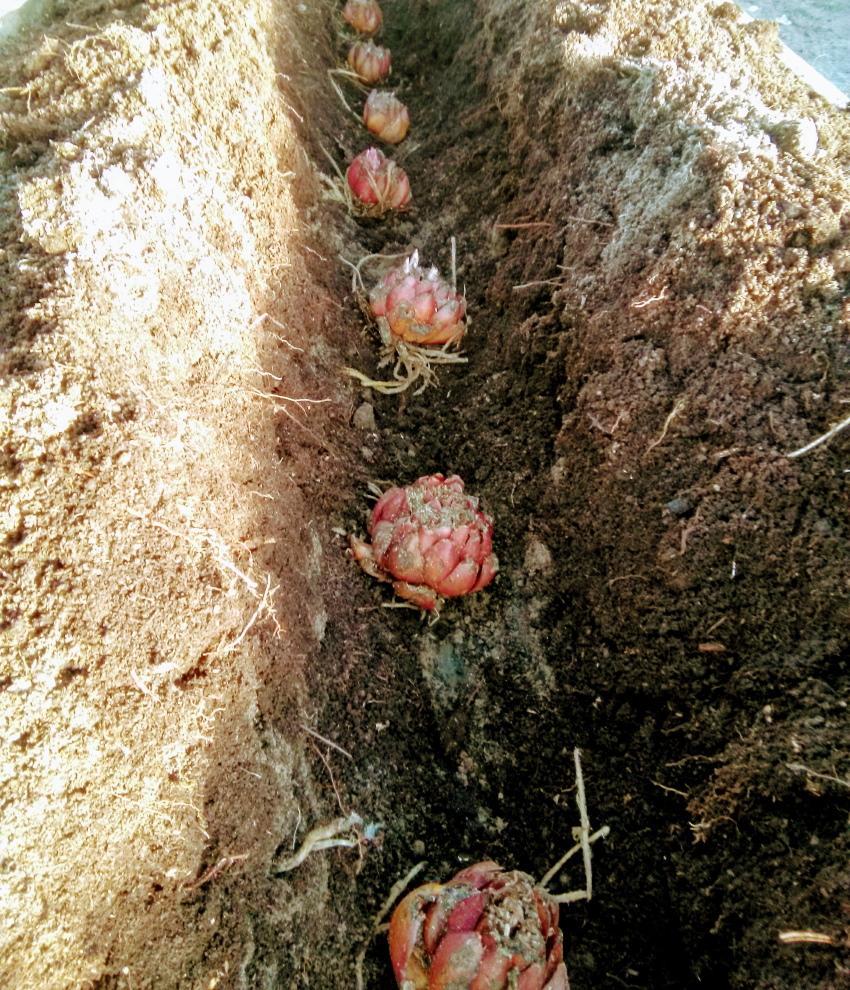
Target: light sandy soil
[
  {"x": 161, "y": 300},
  {"x": 182, "y": 459}
]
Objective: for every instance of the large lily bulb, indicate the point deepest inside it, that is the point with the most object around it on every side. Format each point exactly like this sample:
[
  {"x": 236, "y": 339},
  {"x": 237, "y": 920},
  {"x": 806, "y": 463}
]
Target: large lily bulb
[
  {"x": 486, "y": 929},
  {"x": 419, "y": 305},
  {"x": 430, "y": 540}
]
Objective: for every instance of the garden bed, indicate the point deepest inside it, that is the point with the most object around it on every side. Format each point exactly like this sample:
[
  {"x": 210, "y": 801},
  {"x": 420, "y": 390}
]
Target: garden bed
[{"x": 652, "y": 228}]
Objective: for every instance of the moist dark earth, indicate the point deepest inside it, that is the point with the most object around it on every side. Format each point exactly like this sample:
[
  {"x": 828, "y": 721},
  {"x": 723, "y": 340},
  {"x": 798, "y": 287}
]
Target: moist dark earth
[{"x": 677, "y": 609}]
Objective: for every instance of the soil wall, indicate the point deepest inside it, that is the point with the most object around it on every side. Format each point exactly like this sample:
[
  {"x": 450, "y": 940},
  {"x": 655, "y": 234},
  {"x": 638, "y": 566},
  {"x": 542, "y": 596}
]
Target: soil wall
[{"x": 169, "y": 327}]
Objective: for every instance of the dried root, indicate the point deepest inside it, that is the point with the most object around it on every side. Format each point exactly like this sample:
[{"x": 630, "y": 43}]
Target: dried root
[
  {"x": 585, "y": 838},
  {"x": 348, "y": 833},
  {"x": 337, "y": 189},
  {"x": 351, "y": 77}
]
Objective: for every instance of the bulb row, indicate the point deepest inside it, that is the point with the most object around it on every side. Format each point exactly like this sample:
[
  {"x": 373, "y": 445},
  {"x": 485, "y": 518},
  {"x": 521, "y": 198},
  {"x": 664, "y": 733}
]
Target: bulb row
[
  {"x": 376, "y": 183},
  {"x": 487, "y": 928}
]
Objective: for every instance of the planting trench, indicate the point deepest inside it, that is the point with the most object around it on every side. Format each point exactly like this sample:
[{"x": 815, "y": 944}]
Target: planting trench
[{"x": 656, "y": 262}]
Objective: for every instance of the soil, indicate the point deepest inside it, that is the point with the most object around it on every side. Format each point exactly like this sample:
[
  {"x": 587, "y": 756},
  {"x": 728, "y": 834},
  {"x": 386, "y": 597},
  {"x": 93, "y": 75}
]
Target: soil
[{"x": 653, "y": 233}]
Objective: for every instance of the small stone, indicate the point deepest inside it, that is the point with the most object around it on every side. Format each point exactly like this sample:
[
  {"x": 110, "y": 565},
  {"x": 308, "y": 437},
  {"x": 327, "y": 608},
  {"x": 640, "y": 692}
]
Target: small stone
[
  {"x": 364, "y": 417},
  {"x": 840, "y": 261},
  {"x": 12, "y": 526},
  {"x": 796, "y": 137},
  {"x": 679, "y": 506},
  {"x": 559, "y": 470}
]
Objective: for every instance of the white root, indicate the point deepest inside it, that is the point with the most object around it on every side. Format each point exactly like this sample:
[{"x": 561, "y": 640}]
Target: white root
[
  {"x": 823, "y": 438},
  {"x": 585, "y": 840},
  {"x": 412, "y": 364}
]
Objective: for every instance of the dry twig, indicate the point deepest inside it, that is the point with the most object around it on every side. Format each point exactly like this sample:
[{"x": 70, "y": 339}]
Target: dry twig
[
  {"x": 223, "y": 864},
  {"x": 670, "y": 790},
  {"x": 327, "y": 742},
  {"x": 601, "y": 223},
  {"x": 802, "y": 768},
  {"x": 523, "y": 226},
  {"x": 536, "y": 282},
  {"x": 327, "y": 764}
]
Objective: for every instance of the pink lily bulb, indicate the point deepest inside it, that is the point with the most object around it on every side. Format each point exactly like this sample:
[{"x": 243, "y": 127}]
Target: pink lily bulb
[
  {"x": 486, "y": 929},
  {"x": 386, "y": 117},
  {"x": 363, "y": 15},
  {"x": 430, "y": 540},
  {"x": 377, "y": 182},
  {"x": 369, "y": 62},
  {"x": 419, "y": 305}
]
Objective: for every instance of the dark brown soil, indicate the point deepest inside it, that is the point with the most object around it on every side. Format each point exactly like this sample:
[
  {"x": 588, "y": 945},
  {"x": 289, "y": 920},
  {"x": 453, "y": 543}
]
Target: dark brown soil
[
  {"x": 672, "y": 601},
  {"x": 657, "y": 265}
]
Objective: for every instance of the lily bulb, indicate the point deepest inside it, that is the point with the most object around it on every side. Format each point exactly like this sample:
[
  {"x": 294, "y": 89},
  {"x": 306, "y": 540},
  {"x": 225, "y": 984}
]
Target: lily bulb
[
  {"x": 430, "y": 540},
  {"x": 419, "y": 305},
  {"x": 386, "y": 117},
  {"x": 363, "y": 15},
  {"x": 377, "y": 182},
  {"x": 369, "y": 62},
  {"x": 485, "y": 929}
]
